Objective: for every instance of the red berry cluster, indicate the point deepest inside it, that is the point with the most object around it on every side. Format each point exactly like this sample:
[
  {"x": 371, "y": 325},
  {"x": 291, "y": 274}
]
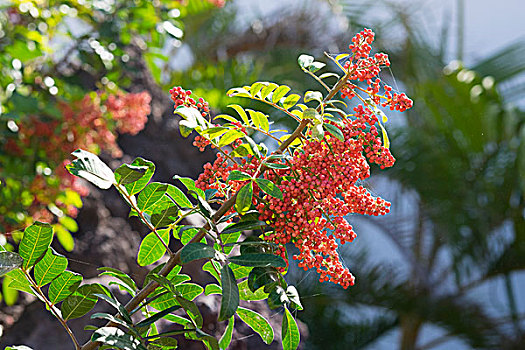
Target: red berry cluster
[
  {"x": 182, "y": 97},
  {"x": 365, "y": 68},
  {"x": 91, "y": 124},
  {"x": 130, "y": 111},
  {"x": 321, "y": 183}
]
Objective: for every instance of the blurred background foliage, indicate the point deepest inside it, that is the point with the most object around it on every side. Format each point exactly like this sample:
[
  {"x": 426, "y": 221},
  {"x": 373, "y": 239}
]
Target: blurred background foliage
[{"x": 457, "y": 227}]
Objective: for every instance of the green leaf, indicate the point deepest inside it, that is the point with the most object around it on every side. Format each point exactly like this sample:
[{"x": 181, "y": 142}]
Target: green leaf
[
  {"x": 178, "y": 197},
  {"x": 268, "y": 89},
  {"x": 137, "y": 186},
  {"x": 241, "y": 113},
  {"x": 229, "y": 137},
  {"x": 228, "y": 240},
  {"x": 327, "y": 75},
  {"x": 243, "y": 226},
  {"x": 163, "y": 344},
  {"x": 256, "y": 88},
  {"x": 313, "y": 96},
  {"x": 126, "y": 173},
  {"x": 293, "y": 295},
  {"x": 190, "y": 185},
  {"x": 19, "y": 281},
  {"x": 89, "y": 167},
  {"x": 9, "y": 294},
  {"x": 115, "y": 337},
  {"x": 80, "y": 302},
  {"x": 212, "y": 288},
  {"x": 128, "y": 281},
  {"x": 209, "y": 268},
  {"x": 261, "y": 276},
  {"x": 290, "y": 101},
  {"x": 335, "y": 131},
  {"x": 289, "y": 333},
  {"x": 246, "y": 294},
  {"x": 230, "y": 294},
  {"x": 165, "y": 216},
  {"x": 315, "y": 66},
  {"x": 269, "y": 187},
  {"x": 151, "y": 194},
  {"x": 111, "y": 318},
  {"x": 276, "y": 165},
  {"x": 243, "y": 201},
  {"x": 151, "y": 249},
  {"x": 260, "y": 260},
  {"x": 279, "y": 93},
  {"x": 195, "y": 251},
  {"x": 256, "y": 322},
  {"x": 226, "y": 338},
  {"x": 192, "y": 310},
  {"x": 51, "y": 266},
  {"x": 68, "y": 223},
  {"x": 62, "y": 286},
  {"x": 305, "y": 61},
  {"x": 18, "y": 347},
  {"x": 189, "y": 290},
  {"x": 236, "y": 175},
  {"x": 9, "y": 261},
  {"x": 35, "y": 242},
  {"x": 64, "y": 237}
]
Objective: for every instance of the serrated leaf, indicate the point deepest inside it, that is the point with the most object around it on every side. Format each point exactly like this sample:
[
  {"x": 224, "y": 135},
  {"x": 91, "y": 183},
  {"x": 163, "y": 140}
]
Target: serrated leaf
[
  {"x": 236, "y": 175},
  {"x": 137, "y": 186},
  {"x": 50, "y": 267},
  {"x": 243, "y": 201},
  {"x": 290, "y": 101},
  {"x": 35, "y": 242},
  {"x": 241, "y": 113},
  {"x": 151, "y": 194},
  {"x": 151, "y": 249},
  {"x": 62, "y": 286},
  {"x": 126, "y": 173},
  {"x": 229, "y": 137},
  {"x": 226, "y": 338},
  {"x": 89, "y": 167},
  {"x": 279, "y": 93},
  {"x": 257, "y": 323},
  {"x": 115, "y": 337},
  {"x": 290, "y": 332},
  {"x": 230, "y": 294},
  {"x": 80, "y": 302},
  {"x": 196, "y": 251},
  {"x": 335, "y": 131},
  {"x": 269, "y": 187},
  {"x": 9, "y": 261},
  {"x": 260, "y": 260}
]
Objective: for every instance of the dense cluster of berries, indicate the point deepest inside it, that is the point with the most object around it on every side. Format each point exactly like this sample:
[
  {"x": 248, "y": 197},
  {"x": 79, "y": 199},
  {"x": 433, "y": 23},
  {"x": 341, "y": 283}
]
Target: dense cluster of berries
[
  {"x": 182, "y": 97},
  {"x": 365, "y": 68},
  {"x": 320, "y": 182},
  {"x": 91, "y": 124},
  {"x": 130, "y": 111}
]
